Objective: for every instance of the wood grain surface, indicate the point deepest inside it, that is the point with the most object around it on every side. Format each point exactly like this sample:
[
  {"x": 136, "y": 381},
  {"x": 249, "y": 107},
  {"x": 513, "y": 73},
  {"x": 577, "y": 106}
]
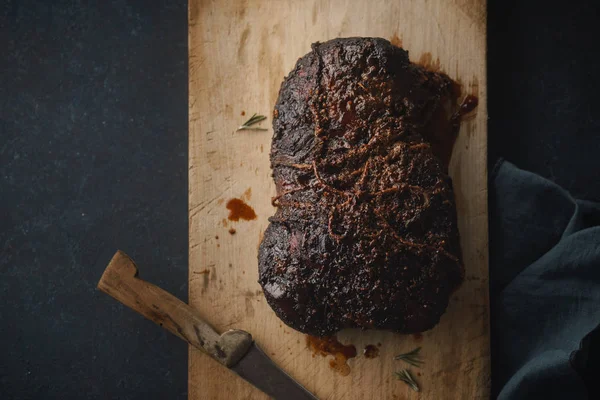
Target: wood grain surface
[{"x": 239, "y": 53}]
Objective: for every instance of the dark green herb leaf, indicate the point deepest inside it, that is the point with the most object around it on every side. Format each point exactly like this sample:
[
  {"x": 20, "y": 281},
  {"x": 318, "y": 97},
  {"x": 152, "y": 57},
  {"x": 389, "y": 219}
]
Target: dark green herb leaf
[
  {"x": 255, "y": 119},
  {"x": 412, "y": 357},
  {"x": 407, "y": 378}
]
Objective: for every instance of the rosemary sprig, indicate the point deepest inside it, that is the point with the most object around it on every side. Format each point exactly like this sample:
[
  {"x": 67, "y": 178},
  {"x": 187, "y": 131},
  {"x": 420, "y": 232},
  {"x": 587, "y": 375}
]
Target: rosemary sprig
[
  {"x": 255, "y": 119},
  {"x": 412, "y": 357},
  {"x": 407, "y": 378}
]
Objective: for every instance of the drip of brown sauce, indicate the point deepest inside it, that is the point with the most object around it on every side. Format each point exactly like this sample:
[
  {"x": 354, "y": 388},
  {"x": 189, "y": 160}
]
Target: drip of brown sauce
[
  {"x": 427, "y": 62},
  {"x": 329, "y": 345},
  {"x": 238, "y": 209},
  {"x": 371, "y": 351},
  {"x": 468, "y": 105},
  {"x": 442, "y": 133},
  {"x": 396, "y": 41}
]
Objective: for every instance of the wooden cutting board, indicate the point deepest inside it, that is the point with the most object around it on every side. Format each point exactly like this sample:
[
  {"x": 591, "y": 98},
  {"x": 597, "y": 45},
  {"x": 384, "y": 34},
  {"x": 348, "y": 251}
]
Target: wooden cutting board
[{"x": 239, "y": 53}]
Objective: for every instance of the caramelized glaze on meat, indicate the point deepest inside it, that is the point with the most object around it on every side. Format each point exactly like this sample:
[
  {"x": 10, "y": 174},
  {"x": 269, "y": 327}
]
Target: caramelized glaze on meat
[{"x": 365, "y": 231}]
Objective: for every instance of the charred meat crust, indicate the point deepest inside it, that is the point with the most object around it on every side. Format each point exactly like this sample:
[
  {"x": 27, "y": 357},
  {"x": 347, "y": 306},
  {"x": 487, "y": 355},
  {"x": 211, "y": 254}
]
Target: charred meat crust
[{"x": 365, "y": 231}]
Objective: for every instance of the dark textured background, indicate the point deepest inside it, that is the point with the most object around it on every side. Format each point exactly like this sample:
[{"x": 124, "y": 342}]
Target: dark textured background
[
  {"x": 543, "y": 88},
  {"x": 93, "y": 157}
]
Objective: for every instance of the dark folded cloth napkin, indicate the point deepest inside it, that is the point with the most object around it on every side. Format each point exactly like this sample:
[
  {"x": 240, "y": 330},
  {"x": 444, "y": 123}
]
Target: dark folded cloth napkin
[{"x": 544, "y": 287}]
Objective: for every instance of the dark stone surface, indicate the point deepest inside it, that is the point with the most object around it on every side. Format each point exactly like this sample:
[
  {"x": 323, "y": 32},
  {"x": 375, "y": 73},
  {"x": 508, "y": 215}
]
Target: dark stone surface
[
  {"x": 93, "y": 158},
  {"x": 543, "y": 88}
]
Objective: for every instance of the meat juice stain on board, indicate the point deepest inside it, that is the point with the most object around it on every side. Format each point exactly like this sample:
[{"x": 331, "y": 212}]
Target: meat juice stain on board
[
  {"x": 329, "y": 345},
  {"x": 426, "y": 60},
  {"x": 445, "y": 144},
  {"x": 371, "y": 351},
  {"x": 468, "y": 105},
  {"x": 441, "y": 132},
  {"x": 238, "y": 209},
  {"x": 396, "y": 41}
]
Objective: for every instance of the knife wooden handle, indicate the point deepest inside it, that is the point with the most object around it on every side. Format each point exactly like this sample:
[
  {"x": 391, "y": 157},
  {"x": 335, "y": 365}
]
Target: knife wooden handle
[{"x": 120, "y": 280}]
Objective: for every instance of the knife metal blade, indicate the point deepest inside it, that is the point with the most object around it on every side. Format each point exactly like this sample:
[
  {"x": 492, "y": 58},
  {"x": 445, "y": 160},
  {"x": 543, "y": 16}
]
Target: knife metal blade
[
  {"x": 258, "y": 369},
  {"x": 234, "y": 349}
]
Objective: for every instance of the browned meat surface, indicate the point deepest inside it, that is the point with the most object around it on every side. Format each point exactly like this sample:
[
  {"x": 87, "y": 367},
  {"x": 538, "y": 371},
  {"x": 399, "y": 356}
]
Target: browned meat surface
[{"x": 365, "y": 231}]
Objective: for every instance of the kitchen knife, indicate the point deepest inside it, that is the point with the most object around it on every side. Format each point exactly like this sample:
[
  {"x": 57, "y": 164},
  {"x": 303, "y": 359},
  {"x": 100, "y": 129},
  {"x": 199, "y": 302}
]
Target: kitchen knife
[{"x": 235, "y": 348}]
